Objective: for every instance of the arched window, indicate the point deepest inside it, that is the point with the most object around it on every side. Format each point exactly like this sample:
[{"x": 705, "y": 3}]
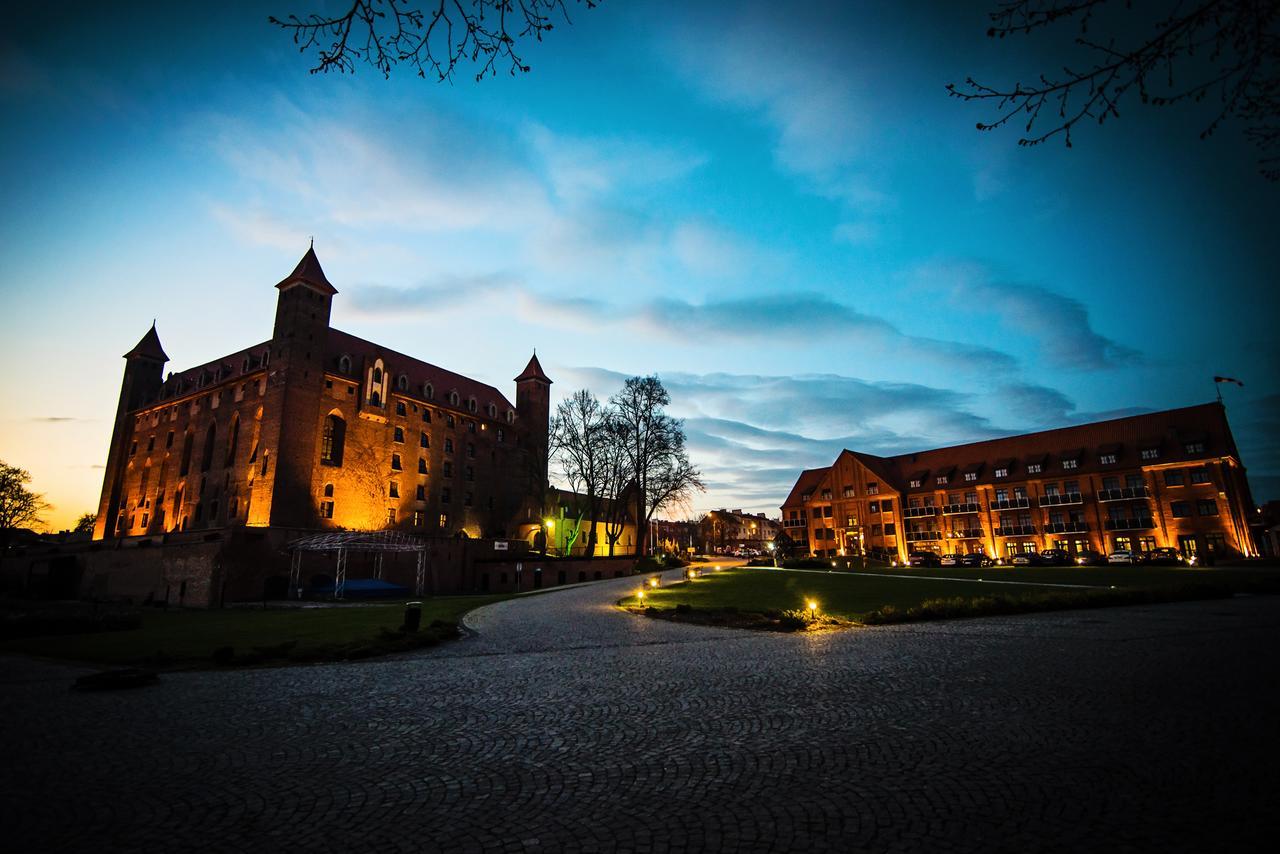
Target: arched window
[
  {"x": 492, "y": 410},
  {"x": 471, "y": 404},
  {"x": 234, "y": 439},
  {"x": 332, "y": 441},
  {"x": 428, "y": 391},
  {"x": 377, "y": 375},
  {"x": 511, "y": 416},
  {"x": 328, "y": 490},
  {"x": 375, "y": 399},
  {"x": 206, "y": 456},
  {"x": 453, "y": 398},
  {"x": 344, "y": 364},
  {"x": 403, "y": 383}
]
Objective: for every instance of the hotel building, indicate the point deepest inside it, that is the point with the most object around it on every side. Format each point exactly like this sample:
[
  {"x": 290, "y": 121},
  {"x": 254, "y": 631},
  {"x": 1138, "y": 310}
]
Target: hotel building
[{"x": 1162, "y": 479}]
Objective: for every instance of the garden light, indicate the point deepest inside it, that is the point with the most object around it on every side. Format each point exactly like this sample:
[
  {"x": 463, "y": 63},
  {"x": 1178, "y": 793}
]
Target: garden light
[
  {"x": 640, "y": 594},
  {"x": 813, "y": 607},
  {"x": 653, "y": 582}
]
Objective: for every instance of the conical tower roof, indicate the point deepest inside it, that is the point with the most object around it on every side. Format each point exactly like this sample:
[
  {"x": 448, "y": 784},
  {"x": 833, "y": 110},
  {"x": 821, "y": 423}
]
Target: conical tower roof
[
  {"x": 533, "y": 371},
  {"x": 309, "y": 272},
  {"x": 149, "y": 347}
]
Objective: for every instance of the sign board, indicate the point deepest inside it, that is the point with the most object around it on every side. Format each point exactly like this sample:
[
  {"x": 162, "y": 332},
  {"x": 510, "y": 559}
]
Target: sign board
[{"x": 499, "y": 545}]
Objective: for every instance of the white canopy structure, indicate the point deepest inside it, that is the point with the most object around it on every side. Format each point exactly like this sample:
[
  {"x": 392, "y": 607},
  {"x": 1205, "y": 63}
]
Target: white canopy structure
[{"x": 343, "y": 542}]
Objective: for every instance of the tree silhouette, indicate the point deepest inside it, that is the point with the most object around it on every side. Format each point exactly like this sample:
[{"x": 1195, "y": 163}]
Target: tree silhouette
[
  {"x": 19, "y": 506},
  {"x": 432, "y": 36},
  {"x": 1228, "y": 50}
]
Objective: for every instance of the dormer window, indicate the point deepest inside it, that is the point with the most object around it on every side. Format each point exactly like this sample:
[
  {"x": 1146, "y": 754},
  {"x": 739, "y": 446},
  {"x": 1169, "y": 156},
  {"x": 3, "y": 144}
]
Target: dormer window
[
  {"x": 915, "y": 483},
  {"x": 1151, "y": 453},
  {"x": 1107, "y": 459},
  {"x": 402, "y": 383},
  {"x": 1195, "y": 447},
  {"x": 941, "y": 479},
  {"x": 1069, "y": 464},
  {"x": 511, "y": 416},
  {"x": 428, "y": 391},
  {"x": 971, "y": 476},
  {"x": 454, "y": 399},
  {"x": 344, "y": 364},
  {"x": 1033, "y": 468},
  {"x": 1002, "y": 472}
]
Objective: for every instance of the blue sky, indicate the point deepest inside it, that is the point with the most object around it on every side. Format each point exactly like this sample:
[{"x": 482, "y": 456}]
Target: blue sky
[{"x": 773, "y": 206}]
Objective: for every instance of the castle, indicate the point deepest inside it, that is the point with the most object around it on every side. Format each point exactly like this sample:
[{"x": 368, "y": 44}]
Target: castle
[{"x": 318, "y": 429}]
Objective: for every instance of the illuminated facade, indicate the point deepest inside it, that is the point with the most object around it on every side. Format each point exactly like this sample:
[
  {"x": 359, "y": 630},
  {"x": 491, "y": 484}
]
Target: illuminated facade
[
  {"x": 315, "y": 428},
  {"x": 1164, "y": 479}
]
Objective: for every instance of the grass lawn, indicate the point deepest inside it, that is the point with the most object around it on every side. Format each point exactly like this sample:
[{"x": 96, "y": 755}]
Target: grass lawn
[
  {"x": 176, "y": 638},
  {"x": 855, "y": 595}
]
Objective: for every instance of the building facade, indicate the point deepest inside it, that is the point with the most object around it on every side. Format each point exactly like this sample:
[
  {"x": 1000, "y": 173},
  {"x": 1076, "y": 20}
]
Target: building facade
[
  {"x": 726, "y": 531},
  {"x": 1163, "y": 479},
  {"x": 315, "y": 428}
]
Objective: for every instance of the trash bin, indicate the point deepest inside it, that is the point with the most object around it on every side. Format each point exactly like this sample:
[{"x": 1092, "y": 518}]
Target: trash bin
[{"x": 412, "y": 616}]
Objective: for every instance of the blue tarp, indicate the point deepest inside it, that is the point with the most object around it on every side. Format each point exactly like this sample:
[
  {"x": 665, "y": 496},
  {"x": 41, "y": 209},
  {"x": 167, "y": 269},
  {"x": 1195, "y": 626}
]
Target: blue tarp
[{"x": 365, "y": 588}]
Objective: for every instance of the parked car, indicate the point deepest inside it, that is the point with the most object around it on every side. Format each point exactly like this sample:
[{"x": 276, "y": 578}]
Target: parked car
[
  {"x": 1123, "y": 556},
  {"x": 1055, "y": 557},
  {"x": 975, "y": 559},
  {"x": 950, "y": 560},
  {"x": 1026, "y": 559},
  {"x": 1089, "y": 557},
  {"x": 1165, "y": 557},
  {"x": 923, "y": 559}
]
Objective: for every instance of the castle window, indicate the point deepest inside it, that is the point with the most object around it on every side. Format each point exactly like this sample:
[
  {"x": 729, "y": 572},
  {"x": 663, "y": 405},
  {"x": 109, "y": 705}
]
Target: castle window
[
  {"x": 1195, "y": 447},
  {"x": 151, "y": 443},
  {"x": 446, "y": 495},
  {"x": 168, "y": 442},
  {"x": 422, "y": 465},
  {"x": 328, "y": 490},
  {"x": 471, "y": 450},
  {"x": 448, "y": 420},
  {"x": 426, "y": 416},
  {"x": 326, "y": 509},
  {"x": 511, "y": 416},
  {"x": 234, "y": 438},
  {"x": 448, "y": 446},
  {"x": 422, "y": 492},
  {"x": 393, "y": 489},
  {"x": 469, "y": 473},
  {"x": 1151, "y": 453},
  {"x": 471, "y": 426},
  {"x": 1199, "y": 475},
  {"x": 492, "y": 411},
  {"x": 453, "y": 398},
  {"x": 391, "y": 515},
  {"x": 375, "y": 399},
  {"x": 266, "y": 457},
  {"x": 1033, "y": 468},
  {"x": 1107, "y": 459},
  {"x": 501, "y": 435},
  {"x": 444, "y": 520},
  {"x": 377, "y": 374},
  {"x": 471, "y": 404},
  {"x": 400, "y": 410},
  {"x": 447, "y": 469},
  {"x": 344, "y": 364},
  {"x": 398, "y": 435},
  {"x": 133, "y": 448},
  {"x": 185, "y": 466},
  {"x": 402, "y": 383},
  {"x": 395, "y": 463},
  {"x": 424, "y": 440},
  {"x": 419, "y": 519},
  {"x": 332, "y": 440},
  {"x": 428, "y": 391},
  {"x": 1069, "y": 464},
  {"x": 466, "y": 499}
]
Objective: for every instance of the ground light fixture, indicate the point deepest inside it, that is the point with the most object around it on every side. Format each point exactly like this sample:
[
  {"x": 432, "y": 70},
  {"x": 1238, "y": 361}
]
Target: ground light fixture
[
  {"x": 653, "y": 582},
  {"x": 640, "y": 594},
  {"x": 812, "y": 605}
]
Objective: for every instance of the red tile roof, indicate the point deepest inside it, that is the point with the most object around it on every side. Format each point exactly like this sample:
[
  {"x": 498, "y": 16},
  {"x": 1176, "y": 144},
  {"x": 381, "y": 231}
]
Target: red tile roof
[
  {"x": 419, "y": 372},
  {"x": 808, "y": 482},
  {"x": 1127, "y": 437}
]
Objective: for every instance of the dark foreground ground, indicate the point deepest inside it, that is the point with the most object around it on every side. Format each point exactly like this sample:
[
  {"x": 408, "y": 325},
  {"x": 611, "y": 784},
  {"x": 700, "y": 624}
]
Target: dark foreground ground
[{"x": 567, "y": 725}]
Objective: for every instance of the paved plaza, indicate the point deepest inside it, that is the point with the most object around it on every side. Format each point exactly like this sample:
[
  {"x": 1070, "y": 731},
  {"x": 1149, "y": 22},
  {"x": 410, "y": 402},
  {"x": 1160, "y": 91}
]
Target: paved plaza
[{"x": 562, "y": 724}]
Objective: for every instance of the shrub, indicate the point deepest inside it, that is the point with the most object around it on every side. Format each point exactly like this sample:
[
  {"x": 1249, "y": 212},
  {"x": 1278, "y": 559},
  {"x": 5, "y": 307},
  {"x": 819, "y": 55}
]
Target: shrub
[{"x": 793, "y": 620}]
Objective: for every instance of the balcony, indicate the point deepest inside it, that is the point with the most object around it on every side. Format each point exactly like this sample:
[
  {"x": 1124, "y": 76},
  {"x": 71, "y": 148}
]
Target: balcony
[
  {"x": 954, "y": 509},
  {"x": 918, "y": 536},
  {"x": 1066, "y": 528},
  {"x": 916, "y": 512},
  {"x": 1122, "y": 494},
  {"x": 1010, "y": 504},
  {"x": 1130, "y": 524},
  {"x": 965, "y": 534},
  {"x": 1015, "y": 531},
  {"x": 1061, "y": 499}
]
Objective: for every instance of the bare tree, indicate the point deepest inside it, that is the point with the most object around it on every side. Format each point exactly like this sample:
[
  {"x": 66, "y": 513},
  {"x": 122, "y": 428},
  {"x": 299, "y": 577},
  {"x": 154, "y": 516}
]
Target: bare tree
[
  {"x": 579, "y": 434},
  {"x": 431, "y": 36},
  {"x": 652, "y": 445},
  {"x": 19, "y": 506},
  {"x": 1223, "y": 50}
]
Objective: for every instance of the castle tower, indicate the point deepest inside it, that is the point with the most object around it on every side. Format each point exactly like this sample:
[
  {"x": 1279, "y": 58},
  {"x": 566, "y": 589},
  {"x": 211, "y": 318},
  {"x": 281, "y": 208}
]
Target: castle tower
[
  {"x": 295, "y": 381},
  {"x": 143, "y": 375},
  {"x": 533, "y": 408}
]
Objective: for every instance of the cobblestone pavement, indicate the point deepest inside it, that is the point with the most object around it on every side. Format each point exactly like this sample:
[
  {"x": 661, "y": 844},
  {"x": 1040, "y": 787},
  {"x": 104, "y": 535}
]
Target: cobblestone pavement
[{"x": 1131, "y": 729}]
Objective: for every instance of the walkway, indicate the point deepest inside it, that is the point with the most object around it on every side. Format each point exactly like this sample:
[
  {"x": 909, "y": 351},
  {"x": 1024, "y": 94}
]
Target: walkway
[{"x": 563, "y": 726}]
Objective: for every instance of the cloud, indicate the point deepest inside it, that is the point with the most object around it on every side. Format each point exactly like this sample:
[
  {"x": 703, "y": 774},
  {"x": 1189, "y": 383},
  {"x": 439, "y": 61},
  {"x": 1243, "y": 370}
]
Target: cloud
[
  {"x": 57, "y": 419},
  {"x": 808, "y": 317},
  {"x": 1059, "y": 324},
  {"x": 591, "y": 167}
]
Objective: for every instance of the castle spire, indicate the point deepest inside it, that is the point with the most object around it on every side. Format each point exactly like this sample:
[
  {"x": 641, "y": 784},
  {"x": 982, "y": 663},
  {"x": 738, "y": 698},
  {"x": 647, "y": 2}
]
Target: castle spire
[
  {"x": 533, "y": 371},
  {"x": 149, "y": 347},
  {"x": 308, "y": 272}
]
